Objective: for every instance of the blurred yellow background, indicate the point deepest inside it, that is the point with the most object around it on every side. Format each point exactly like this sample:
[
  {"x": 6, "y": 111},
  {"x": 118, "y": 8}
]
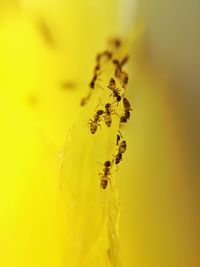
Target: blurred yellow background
[{"x": 43, "y": 44}]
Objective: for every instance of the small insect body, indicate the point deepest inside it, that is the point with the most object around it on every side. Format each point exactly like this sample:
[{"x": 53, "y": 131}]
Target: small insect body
[
  {"x": 121, "y": 150},
  {"x": 115, "y": 91},
  {"x": 127, "y": 105},
  {"x": 104, "y": 181},
  {"x": 95, "y": 122},
  {"x": 119, "y": 73},
  {"x": 118, "y": 158},
  {"x": 93, "y": 81},
  {"x": 112, "y": 84},
  {"x": 119, "y": 136},
  {"x": 93, "y": 126},
  {"x": 122, "y": 147},
  {"x": 105, "y": 175},
  {"x": 122, "y": 76},
  {"x": 118, "y": 139},
  {"x": 107, "y": 116},
  {"x": 107, "y": 166},
  {"x": 117, "y": 96},
  {"x": 127, "y": 109}
]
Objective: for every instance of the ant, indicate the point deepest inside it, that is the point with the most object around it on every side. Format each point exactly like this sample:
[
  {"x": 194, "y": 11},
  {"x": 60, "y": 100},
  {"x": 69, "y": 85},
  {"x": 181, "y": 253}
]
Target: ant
[
  {"x": 118, "y": 67},
  {"x": 118, "y": 158},
  {"x": 121, "y": 150},
  {"x": 127, "y": 109},
  {"x": 93, "y": 81},
  {"x": 119, "y": 136},
  {"x": 94, "y": 123},
  {"x": 95, "y": 76},
  {"x": 125, "y": 117},
  {"x": 122, "y": 147},
  {"x": 127, "y": 105},
  {"x": 123, "y": 76},
  {"x": 119, "y": 73},
  {"x": 107, "y": 116},
  {"x": 115, "y": 90},
  {"x": 104, "y": 176},
  {"x": 118, "y": 139}
]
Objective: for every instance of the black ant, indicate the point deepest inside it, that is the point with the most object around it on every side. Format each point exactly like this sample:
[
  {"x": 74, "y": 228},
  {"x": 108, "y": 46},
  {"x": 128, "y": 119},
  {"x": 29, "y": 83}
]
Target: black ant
[
  {"x": 105, "y": 175},
  {"x": 107, "y": 116},
  {"x": 122, "y": 147},
  {"x": 95, "y": 122},
  {"x": 118, "y": 158},
  {"x": 127, "y": 109},
  {"x": 115, "y": 90}
]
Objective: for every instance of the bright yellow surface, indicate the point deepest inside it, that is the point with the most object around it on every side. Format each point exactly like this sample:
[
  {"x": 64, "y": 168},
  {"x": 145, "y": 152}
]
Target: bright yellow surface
[{"x": 45, "y": 184}]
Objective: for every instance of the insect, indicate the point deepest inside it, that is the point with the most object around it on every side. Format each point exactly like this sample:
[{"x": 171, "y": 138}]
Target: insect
[
  {"x": 97, "y": 68},
  {"x": 115, "y": 90},
  {"x": 119, "y": 136},
  {"x": 118, "y": 139},
  {"x": 125, "y": 116},
  {"x": 119, "y": 73},
  {"x": 123, "y": 76},
  {"x": 118, "y": 68},
  {"x": 118, "y": 158},
  {"x": 95, "y": 122},
  {"x": 127, "y": 105},
  {"x": 112, "y": 84},
  {"x": 122, "y": 147},
  {"x": 107, "y": 116},
  {"x": 93, "y": 81},
  {"x": 105, "y": 175},
  {"x": 127, "y": 109}
]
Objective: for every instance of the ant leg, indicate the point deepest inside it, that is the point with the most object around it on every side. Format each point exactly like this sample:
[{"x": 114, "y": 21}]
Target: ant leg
[{"x": 120, "y": 134}]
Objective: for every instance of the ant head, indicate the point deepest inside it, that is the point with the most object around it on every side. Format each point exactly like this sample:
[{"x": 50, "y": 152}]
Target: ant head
[
  {"x": 116, "y": 62},
  {"x": 112, "y": 80},
  {"x": 107, "y": 163},
  {"x": 107, "y": 105},
  {"x": 100, "y": 112}
]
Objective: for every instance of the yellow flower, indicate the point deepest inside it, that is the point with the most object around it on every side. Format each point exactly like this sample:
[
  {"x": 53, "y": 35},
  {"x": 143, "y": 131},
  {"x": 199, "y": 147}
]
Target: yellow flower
[{"x": 53, "y": 209}]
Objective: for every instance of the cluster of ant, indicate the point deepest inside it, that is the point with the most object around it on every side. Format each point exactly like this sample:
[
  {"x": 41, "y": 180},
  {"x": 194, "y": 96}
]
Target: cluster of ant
[{"x": 106, "y": 113}]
